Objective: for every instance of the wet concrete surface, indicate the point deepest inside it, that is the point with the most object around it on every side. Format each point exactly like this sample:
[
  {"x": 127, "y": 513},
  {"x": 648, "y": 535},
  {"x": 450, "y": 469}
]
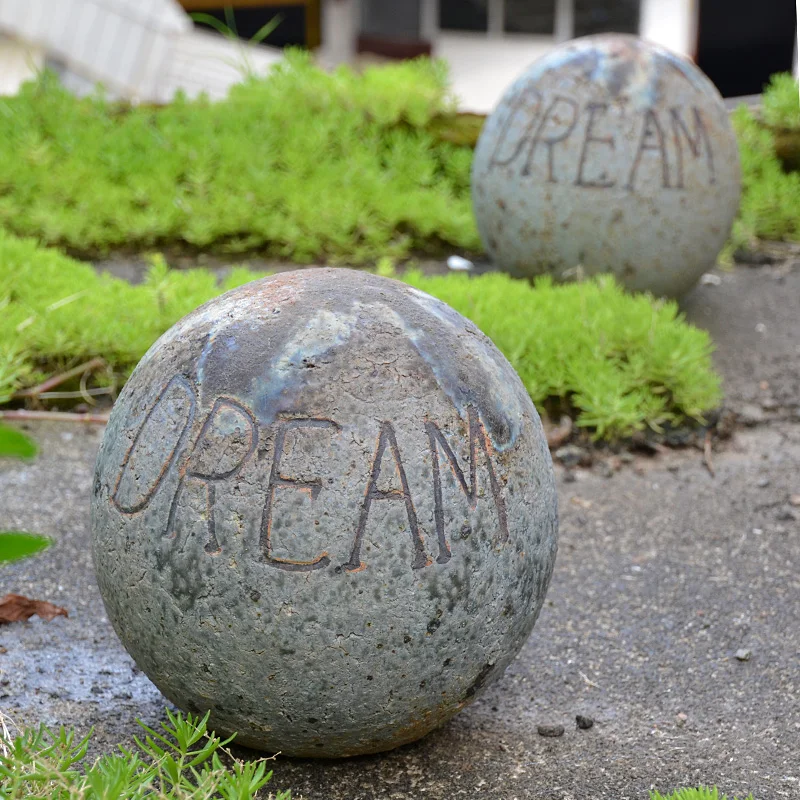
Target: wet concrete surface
[{"x": 664, "y": 573}]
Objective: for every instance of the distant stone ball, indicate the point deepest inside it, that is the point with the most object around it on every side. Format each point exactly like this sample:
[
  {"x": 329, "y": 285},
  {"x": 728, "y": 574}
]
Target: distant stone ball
[
  {"x": 324, "y": 510},
  {"x": 609, "y": 154}
]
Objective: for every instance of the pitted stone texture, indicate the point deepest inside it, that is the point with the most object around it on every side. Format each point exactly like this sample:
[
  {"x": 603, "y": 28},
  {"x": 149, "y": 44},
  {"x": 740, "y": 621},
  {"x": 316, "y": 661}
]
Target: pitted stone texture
[
  {"x": 609, "y": 154},
  {"x": 324, "y": 509}
]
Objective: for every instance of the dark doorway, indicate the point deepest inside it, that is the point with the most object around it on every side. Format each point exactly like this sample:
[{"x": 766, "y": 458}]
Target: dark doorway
[{"x": 740, "y": 44}]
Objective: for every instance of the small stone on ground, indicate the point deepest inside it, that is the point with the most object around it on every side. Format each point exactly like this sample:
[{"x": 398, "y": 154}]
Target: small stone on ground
[{"x": 551, "y": 731}]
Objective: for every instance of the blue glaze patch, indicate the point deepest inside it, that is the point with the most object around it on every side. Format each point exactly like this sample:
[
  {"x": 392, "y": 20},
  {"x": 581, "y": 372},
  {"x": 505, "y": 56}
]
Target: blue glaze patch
[
  {"x": 505, "y": 414},
  {"x": 315, "y": 339},
  {"x": 208, "y": 346}
]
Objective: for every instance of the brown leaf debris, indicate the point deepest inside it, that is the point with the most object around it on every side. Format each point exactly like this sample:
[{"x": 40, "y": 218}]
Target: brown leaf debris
[{"x": 18, "y": 608}]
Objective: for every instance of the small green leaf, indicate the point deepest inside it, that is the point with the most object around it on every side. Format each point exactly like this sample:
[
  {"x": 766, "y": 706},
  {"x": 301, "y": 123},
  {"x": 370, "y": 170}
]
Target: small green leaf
[
  {"x": 15, "y": 545},
  {"x": 172, "y": 768},
  {"x": 15, "y": 444}
]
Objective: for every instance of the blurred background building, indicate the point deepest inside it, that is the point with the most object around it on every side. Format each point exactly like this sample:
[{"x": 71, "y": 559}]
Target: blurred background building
[{"x": 146, "y": 50}]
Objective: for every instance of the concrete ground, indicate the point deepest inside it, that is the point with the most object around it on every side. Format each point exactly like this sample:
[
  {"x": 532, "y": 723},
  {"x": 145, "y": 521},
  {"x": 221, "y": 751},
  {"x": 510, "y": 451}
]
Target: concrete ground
[{"x": 664, "y": 575}]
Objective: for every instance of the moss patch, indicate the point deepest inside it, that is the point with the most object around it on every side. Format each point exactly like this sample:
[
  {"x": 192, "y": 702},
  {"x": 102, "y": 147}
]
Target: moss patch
[{"x": 618, "y": 362}]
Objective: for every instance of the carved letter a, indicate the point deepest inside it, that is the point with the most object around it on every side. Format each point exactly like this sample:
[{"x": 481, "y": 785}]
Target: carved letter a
[
  {"x": 477, "y": 435},
  {"x": 387, "y": 437}
]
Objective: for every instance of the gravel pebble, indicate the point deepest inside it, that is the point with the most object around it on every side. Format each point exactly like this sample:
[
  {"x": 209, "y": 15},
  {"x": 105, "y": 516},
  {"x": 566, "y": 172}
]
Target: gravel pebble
[
  {"x": 750, "y": 414},
  {"x": 572, "y": 456},
  {"x": 550, "y": 731},
  {"x": 605, "y": 469}
]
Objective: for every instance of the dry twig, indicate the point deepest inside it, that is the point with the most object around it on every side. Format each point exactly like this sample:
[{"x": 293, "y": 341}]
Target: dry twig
[
  {"x": 57, "y": 380},
  {"x": 707, "y": 460},
  {"x": 24, "y": 415}
]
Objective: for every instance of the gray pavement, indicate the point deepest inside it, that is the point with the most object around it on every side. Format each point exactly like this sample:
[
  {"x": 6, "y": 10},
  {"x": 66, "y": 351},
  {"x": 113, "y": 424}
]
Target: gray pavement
[
  {"x": 664, "y": 573},
  {"x": 752, "y": 316}
]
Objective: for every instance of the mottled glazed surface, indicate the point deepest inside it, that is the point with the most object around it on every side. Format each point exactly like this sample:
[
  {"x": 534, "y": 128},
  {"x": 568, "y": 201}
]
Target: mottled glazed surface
[
  {"x": 612, "y": 154},
  {"x": 324, "y": 509}
]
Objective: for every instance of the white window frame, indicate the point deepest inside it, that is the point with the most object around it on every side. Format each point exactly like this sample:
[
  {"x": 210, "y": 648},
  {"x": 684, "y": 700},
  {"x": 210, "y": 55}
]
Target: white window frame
[
  {"x": 563, "y": 30},
  {"x": 797, "y": 45}
]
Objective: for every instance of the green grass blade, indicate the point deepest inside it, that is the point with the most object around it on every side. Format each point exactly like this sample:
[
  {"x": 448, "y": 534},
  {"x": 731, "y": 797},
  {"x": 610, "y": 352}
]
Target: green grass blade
[
  {"x": 230, "y": 20},
  {"x": 266, "y": 29},
  {"x": 213, "y": 22}
]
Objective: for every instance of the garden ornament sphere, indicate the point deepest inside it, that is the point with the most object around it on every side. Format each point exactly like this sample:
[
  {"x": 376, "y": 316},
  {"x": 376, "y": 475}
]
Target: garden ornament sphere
[
  {"x": 324, "y": 510},
  {"x": 609, "y": 154}
]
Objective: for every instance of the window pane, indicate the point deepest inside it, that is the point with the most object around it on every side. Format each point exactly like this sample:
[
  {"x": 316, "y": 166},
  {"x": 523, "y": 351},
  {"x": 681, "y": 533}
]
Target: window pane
[
  {"x": 530, "y": 16},
  {"x": 606, "y": 16},
  {"x": 398, "y": 19},
  {"x": 464, "y": 15}
]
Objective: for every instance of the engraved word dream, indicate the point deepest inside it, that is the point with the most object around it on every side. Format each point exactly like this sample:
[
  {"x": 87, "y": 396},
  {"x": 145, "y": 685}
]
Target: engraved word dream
[
  {"x": 672, "y": 136},
  {"x": 230, "y": 428}
]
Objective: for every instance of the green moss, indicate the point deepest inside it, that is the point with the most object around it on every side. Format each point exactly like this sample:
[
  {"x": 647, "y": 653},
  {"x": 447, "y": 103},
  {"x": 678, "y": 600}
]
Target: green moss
[
  {"x": 780, "y": 105},
  {"x": 304, "y": 165},
  {"x": 620, "y": 362},
  {"x": 770, "y": 207},
  {"x": 623, "y": 362}
]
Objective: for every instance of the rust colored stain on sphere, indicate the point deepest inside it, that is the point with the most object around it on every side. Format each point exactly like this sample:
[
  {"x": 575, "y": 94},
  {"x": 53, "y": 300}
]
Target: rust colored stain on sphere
[
  {"x": 324, "y": 509},
  {"x": 609, "y": 154}
]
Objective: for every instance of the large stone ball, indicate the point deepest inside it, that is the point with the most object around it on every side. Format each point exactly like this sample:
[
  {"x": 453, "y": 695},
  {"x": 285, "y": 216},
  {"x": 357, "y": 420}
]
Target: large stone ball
[
  {"x": 324, "y": 510},
  {"x": 609, "y": 154}
]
